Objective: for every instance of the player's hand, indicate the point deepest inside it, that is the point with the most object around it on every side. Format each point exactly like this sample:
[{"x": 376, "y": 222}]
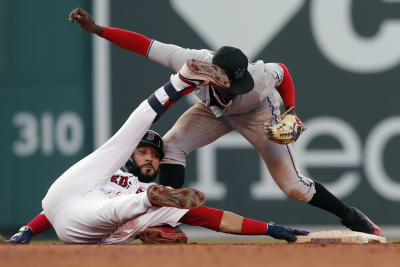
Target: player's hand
[
  {"x": 284, "y": 232},
  {"x": 287, "y": 130},
  {"x": 85, "y": 21},
  {"x": 23, "y": 236}
]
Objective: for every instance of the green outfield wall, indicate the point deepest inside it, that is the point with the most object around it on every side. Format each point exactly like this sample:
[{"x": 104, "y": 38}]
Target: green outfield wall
[
  {"x": 45, "y": 102},
  {"x": 343, "y": 56}
]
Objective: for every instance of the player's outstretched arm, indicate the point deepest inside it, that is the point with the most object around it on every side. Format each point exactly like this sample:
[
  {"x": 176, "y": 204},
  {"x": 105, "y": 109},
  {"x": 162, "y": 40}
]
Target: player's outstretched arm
[
  {"x": 85, "y": 21},
  {"x": 231, "y": 223},
  {"x": 125, "y": 39},
  {"x": 36, "y": 226}
]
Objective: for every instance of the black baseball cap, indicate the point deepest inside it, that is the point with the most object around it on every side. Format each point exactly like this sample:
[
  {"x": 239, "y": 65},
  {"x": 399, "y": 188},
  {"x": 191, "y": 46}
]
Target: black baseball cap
[{"x": 234, "y": 62}]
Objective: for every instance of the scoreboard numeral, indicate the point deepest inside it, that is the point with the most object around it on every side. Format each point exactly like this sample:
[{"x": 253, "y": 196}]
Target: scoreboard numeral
[{"x": 46, "y": 133}]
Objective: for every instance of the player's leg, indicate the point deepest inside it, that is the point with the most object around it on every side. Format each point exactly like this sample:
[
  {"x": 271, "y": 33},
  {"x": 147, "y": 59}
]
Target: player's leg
[
  {"x": 223, "y": 221},
  {"x": 196, "y": 128},
  {"x": 279, "y": 158},
  {"x": 146, "y": 227},
  {"x": 102, "y": 163},
  {"x": 298, "y": 187},
  {"x": 89, "y": 218},
  {"x": 281, "y": 163},
  {"x": 229, "y": 222},
  {"x": 36, "y": 226},
  {"x": 153, "y": 217}
]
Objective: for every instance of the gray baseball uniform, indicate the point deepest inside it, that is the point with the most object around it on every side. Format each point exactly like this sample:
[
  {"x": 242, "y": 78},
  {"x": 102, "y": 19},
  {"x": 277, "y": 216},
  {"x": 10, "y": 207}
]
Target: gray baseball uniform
[{"x": 203, "y": 123}]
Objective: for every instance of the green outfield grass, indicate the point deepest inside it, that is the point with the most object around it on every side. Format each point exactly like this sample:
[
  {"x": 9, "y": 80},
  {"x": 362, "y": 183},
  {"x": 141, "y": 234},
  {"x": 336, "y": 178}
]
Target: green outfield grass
[{"x": 2, "y": 239}]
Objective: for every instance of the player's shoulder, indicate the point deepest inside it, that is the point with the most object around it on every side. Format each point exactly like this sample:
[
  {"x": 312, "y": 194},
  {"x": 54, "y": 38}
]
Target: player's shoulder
[
  {"x": 204, "y": 55},
  {"x": 272, "y": 67},
  {"x": 261, "y": 68}
]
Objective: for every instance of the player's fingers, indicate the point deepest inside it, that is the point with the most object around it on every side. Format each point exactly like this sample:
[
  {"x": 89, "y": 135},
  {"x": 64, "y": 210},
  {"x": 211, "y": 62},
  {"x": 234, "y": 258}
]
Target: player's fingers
[
  {"x": 300, "y": 232},
  {"x": 76, "y": 12},
  {"x": 71, "y": 16},
  {"x": 291, "y": 238},
  {"x": 83, "y": 12},
  {"x": 81, "y": 19}
]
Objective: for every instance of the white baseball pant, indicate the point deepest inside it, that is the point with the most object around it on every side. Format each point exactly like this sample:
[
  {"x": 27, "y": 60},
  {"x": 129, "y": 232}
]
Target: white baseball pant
[{"x": 78, "y": 211}]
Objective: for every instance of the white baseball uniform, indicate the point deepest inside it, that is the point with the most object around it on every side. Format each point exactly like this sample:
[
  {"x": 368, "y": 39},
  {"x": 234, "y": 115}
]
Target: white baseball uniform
[
  {"x": 205, "y": 122},
  {"x": 93, "y": 199}
]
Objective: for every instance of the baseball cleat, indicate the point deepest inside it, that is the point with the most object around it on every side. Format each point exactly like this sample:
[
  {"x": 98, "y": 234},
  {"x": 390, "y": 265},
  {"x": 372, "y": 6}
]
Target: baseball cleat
[
  {"x": 358, "y": 221},
  {"x": 184, "y": 198},
  {"x": 163, "y": 235},
  {"x": 201, "y": 73}
]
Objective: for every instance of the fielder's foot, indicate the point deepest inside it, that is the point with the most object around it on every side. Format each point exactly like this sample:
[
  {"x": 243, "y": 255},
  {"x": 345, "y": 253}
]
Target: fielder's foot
[
  {"x": 358, "y": 221},
  {"x": 184, "y": 198},
  {"x": 163, "y": 235},
  {"x": 200, "y": 73}
]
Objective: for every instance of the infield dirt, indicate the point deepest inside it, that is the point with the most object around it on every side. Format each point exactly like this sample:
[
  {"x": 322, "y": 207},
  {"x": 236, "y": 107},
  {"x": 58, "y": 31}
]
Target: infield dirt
[{"x": 193, "y": 255}]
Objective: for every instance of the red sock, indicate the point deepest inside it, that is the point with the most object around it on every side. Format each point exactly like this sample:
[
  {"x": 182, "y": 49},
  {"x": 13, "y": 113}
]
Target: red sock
[
  {"x": 253, "y": 227},
  {"x": 39, "y": 224},
  {"x": 203, "y": 216}
]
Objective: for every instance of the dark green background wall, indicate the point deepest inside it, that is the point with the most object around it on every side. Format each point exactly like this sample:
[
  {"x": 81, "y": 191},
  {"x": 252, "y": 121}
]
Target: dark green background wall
[{"x": 45, "y": 102}]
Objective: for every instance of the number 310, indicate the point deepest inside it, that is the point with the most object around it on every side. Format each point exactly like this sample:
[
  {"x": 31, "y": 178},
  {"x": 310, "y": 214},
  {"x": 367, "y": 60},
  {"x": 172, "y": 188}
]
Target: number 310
[{"x": 45, "y": 132}]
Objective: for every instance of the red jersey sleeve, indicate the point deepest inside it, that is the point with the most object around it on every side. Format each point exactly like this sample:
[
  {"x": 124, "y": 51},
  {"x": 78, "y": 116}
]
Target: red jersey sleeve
[
  {"x": 132, "y": 41},
  {"x": 286, "y": 88}
]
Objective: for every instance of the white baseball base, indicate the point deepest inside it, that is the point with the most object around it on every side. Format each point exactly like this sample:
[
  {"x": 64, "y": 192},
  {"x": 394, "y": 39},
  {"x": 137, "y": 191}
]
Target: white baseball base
[{"x": 340, "y": 236}]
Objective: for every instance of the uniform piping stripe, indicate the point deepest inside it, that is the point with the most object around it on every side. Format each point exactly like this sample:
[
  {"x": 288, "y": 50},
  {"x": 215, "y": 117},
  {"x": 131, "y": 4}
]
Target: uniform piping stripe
[
  {"x": 156, "y": 105},
  {"x": 295, "y": 169},
  {"x": 273, "y": 109},
  {"x": 171, "y": 92},
  {"x": 148, "y": 49}
]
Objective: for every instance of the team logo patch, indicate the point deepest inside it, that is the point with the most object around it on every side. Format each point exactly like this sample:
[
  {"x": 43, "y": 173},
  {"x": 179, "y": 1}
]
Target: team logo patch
[
  {"x": 239, "y": 73},
  {"x": 278, "y": 76},
  {"x": 150, "y": 136}
]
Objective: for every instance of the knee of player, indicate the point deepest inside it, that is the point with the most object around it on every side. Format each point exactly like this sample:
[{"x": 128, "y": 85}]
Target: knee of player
[
  {"x": 172, "y": 145},
  {"x": 174, "y": 154},
  {"x": 297, "y": 195},
  {"x": 301, "y": 191}
]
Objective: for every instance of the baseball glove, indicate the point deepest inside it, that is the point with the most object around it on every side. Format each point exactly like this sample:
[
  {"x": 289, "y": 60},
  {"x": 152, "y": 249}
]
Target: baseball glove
[{"x": 286, "y": 131}]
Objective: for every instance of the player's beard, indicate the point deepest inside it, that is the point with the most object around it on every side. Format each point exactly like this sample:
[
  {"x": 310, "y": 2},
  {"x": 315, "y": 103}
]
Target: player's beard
[
  {"x": 137, "y": 171},
  {"x": 146, "y": 178}
]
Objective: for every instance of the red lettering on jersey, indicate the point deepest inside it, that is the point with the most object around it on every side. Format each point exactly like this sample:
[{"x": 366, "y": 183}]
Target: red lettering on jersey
[
  {"x": 123, "y": 181},
  {"x": 114, "y": 179},
  {"x": 140, "y": 190}
]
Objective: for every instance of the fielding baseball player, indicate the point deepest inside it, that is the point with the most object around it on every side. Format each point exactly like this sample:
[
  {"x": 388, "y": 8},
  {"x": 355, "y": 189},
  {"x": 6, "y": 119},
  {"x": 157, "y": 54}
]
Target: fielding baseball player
[
  {"x": 248, "y": 106},
  {"x": 95, "y": 201}
]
